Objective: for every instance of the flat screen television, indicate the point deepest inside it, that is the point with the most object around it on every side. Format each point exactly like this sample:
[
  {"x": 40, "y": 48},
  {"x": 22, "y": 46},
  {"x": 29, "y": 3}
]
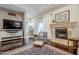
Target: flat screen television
[{"x": 11, "y": 24}]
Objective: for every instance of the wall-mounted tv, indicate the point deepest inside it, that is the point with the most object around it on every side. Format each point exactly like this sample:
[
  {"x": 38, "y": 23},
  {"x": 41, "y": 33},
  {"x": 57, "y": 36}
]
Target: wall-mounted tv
[{"x": 11, "y": 24}]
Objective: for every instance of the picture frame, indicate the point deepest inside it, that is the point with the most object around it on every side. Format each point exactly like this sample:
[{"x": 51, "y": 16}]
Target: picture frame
[{"x": 62, "y": 16}]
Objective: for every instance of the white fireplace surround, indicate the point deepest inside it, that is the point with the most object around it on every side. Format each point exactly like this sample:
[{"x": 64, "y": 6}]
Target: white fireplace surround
[{"x": 69, "y": 25}]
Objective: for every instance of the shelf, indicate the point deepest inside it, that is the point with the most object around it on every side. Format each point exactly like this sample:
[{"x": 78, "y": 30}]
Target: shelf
[
  {"x": 9, "y": 43},
  {"x": 63, "y": 24},
  {"x": 11, "y": 46}
]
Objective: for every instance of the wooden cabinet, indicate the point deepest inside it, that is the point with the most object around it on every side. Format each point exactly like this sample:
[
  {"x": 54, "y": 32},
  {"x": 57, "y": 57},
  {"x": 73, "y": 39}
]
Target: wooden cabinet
[{"x": 9, "y": 43}]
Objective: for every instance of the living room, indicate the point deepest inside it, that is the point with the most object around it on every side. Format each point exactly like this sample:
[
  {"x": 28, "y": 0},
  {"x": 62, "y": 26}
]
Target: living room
[{"x": 24, "y": 31}]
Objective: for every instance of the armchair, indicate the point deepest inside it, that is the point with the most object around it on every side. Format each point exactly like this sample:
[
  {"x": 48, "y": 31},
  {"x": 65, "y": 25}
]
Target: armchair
[{"x": 42, "y": 36}]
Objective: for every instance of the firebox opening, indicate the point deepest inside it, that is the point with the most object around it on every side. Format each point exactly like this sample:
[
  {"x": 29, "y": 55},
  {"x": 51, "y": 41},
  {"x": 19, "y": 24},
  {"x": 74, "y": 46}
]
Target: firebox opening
[{"x": 61, "y": 33}]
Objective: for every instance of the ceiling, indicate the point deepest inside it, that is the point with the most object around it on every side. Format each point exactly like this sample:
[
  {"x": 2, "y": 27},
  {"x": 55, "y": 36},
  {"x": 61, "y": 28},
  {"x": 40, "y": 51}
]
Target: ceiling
[{"x": 31, "y": 9}]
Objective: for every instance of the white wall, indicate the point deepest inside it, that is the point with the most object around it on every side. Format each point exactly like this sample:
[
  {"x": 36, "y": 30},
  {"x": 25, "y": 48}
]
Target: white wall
[
  {"x": 74, "y": 16},
  {"x": 4, "y": 15},
  {"x": 47, "y": 21}
]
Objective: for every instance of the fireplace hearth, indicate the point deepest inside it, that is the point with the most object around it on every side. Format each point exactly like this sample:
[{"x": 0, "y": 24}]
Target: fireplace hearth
[{"x": 61, "y": 33}]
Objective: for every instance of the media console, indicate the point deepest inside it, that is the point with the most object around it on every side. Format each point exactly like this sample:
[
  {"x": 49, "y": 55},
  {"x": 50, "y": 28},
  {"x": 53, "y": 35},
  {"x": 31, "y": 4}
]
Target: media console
[{"x": 8, "y": 43}]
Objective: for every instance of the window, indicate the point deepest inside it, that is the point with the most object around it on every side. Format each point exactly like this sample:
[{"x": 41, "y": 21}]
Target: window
[{"x": 40, "y": 27}]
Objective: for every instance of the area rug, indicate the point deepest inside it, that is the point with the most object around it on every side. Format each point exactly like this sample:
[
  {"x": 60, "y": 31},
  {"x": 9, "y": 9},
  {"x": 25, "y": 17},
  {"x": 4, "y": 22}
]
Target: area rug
[{"x": 38, "y": 51}]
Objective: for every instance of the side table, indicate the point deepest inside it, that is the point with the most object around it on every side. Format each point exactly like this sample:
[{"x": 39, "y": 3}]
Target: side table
[{"x": 75, "y": 44}]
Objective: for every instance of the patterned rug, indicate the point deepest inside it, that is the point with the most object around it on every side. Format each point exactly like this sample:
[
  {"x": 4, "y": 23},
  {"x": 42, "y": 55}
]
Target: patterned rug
[{"x": 38, "y": 51}]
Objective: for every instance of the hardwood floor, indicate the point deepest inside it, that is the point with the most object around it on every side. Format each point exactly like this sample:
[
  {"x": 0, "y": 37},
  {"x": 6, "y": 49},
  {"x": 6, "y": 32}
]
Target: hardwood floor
[{"x": 28, "y": 46}]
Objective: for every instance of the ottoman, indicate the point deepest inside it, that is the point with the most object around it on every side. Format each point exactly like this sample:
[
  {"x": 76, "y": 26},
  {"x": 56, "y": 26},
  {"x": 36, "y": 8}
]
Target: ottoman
[{"x": 38, "y": 44}]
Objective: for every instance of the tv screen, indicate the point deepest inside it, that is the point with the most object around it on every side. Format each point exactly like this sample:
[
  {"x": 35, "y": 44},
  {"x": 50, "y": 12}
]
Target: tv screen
[{"x": 10, "y": 24}]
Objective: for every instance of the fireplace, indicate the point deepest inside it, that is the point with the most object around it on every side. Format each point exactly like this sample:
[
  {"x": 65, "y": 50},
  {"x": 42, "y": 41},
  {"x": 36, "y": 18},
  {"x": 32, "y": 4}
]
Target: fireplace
[{"x": 61, "y": 33}]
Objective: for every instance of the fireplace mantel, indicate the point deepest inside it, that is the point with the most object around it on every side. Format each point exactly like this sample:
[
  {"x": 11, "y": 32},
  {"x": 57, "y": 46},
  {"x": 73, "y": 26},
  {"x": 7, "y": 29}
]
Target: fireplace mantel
[
  {"x": 63, "y": 24},
  {"x": 68, "y": 25}
]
